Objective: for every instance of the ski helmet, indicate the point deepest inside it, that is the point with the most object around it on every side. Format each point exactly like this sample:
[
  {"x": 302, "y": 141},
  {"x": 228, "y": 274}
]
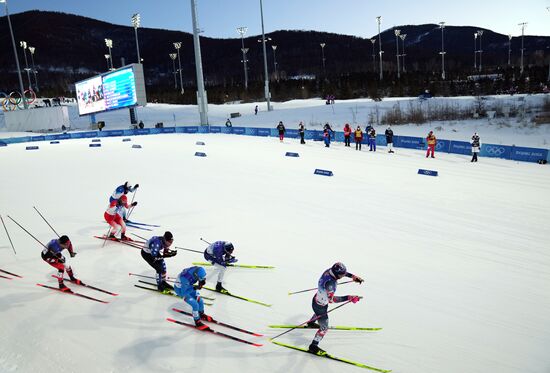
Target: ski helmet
[
  {"x": 339, "y": 269},
  {"x": 228, "y": 247},
  {"x": 64, "y": 239},
  {"x": 200, "y": 273},
  {"x": 168, "y": 236}
]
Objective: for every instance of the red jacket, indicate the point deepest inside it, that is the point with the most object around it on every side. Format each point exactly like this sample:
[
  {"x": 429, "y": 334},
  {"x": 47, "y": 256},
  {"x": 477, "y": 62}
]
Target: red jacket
[{"x": 347, "y": 130}]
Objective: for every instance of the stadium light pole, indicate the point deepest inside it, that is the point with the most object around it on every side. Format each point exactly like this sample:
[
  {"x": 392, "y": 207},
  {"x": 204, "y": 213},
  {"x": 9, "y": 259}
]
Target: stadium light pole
[
  {"x": 242, "y": 30},
  {"x": 323, "y": 57},
  {"x": 32, "y": 50},
  {"x": 397, "y": 33},
  {"x": 442, "y": 53},
  {"x": 266, "y": 81},
  {"x": 373, "y": 41},
  {"x": 403, "y": 36},
  {"x": 480, "y": 32},
  {"x": 109, "y": 44},
  {"x": 107, "y": 57},
  {"x": 475, "y": 50},
  {"x": 380, "y": 52},
  {"x": 177, "y": 45},
  {"x": 25, "y": 104},
  {"x": 136, "y": 22},
  {"x": 523, "y": 24},
  {"x": 173, "y": 56},
  {"x": 509, "y": 49},
  {"x": 202, "y": 100},
  {"x": 274, "y": 47},
  {"x": 23, "y": 45}
]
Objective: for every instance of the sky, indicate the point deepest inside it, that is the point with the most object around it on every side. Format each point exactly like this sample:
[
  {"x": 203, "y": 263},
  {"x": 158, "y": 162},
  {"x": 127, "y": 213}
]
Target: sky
[{"x": 351, "y": 17}]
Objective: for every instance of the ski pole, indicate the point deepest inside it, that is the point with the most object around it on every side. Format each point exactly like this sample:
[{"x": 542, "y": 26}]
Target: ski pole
[
  {"x": 45, "y": 221},
  {"x": 138, "y": 236},
  {"x": 303, "y": 291},
  {"x": 132, "y": 208},
  {"x": 206, "y": 241},
  {"x": 6, "y": 229},
  {"x": 29, "y": 233},
  {"x": 183, "y": 248},
  {"x": 171, "y": 279},
  {"x": 313, "y": 319}
]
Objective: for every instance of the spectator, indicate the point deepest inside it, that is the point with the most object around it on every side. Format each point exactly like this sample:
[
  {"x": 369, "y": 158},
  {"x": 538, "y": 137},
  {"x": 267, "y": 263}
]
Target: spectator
[
  {"x": 358, "y": 138},
  {"x": 372, "y": 140},
  {"x": 141, "y": 125},
  {"x": 347, "y": 134},
  {"x": 329, "y": 128},
  {"x": 281, "y": 129},
  {"x": 256, "y": 110},
  {"x": 389, "y": 139},
  {"x": 302, "y": 130},
  {"x": 326, "y": 137},
  {"x": 432, "y": 141},
  {"x": 228, "y": 123},
  {"x": 475, "y": 147}
]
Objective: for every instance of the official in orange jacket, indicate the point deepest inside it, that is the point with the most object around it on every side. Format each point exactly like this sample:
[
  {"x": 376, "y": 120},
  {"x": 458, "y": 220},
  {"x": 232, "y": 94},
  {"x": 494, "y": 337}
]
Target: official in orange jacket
[
  {"x": 358, "y": 138},
  {"x": 432, "y": 141}
]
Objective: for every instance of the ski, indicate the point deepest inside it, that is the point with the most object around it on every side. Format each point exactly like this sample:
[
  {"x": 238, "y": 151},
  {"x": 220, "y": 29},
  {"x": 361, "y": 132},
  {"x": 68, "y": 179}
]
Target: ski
[
  {"x": 138, "y": 227},
  {"x": 336, "y": 327},
  {"x": 214, "y": 332},
  {"x": 87, "y": 286},
  {"x": 225, "y": 292},
  {"x": 332, "y": 357},
  {"x": 73, "y": 293},
  {"x": 221, "y": 323},
  {"x": 170, "y": 293},
  {"x": 152, "y": 284},
  {"x": 135, "y": 244},
  {"x": 6, "y": 277},
  {"x": 138, "y": 223},
  {"x": 9, "y": 273},
  {"x": 206, "y": 264}
]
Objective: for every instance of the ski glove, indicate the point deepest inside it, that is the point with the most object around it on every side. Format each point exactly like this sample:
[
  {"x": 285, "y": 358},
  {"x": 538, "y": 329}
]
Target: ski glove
[
  {"x": 61, "y": 259},
  {"x": 134, "y": 203},
  {"x": 136, "y": 186},
  {"x": 357, "y": 279},
  {"x": 353, "y": 298},
  {"x": 232, "y": 260},
  {"x": 73, "y": 254}
]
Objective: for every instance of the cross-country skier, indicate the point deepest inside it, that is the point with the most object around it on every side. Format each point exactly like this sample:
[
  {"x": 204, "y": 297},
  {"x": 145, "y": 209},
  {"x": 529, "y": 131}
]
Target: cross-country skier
[
  {"x": 325, "y": 295},
  {"x": 185, "y": 287},
  {"x": 53, "y": 256},
  {"x": 154, "y": 251},
  {"x": 122, "y": 190},
  {"x": 219, "y": 254},
  {"x": 115, "y": 215}
]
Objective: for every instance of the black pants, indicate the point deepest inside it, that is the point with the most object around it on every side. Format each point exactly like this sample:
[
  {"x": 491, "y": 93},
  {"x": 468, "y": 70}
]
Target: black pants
[
  {"x": 347, "y": 141},
  {"x": 474, "y": 157},
  {"x": 357, "y": 145},
  {"x": 158, "y": 265},
  {"x": 302, "y": 138}
]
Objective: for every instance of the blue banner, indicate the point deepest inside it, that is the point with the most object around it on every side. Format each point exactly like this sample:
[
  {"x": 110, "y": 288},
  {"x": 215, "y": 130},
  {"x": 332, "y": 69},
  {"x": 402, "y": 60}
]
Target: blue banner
[
  {"x": 443, "y": 145},
  {"x": 460, "y": 147},
  {"x": 226, "y": 130},
  {"x": 495, "y": 151},
  {"x": 264, "y": 132},
  {"x": 192, "y": 129},
  {"x": 528, "y": 154},
  {"x": 251, "y": 131},
  {"x": 293, "y": 134},
  {"x": 38, "y": 138},
  {"x": 239, "y": 130},
  {"x": 408, "y": 142},
  {"x": 204, "y": 129},
  {"x": 215, "y": 129}
]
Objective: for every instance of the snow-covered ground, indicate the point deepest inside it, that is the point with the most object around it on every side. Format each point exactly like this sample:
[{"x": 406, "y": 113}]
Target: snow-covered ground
[
  {"x": 456, "y": 267},
  {"x": 314, "y": 113}
]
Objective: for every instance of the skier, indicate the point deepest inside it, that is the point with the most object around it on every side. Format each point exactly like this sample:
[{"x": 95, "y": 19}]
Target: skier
[
  {"x": 325, "y": 295},
  {"x": 389, "y": 139},
  {"x": 115, "y": 215},
  {"x": 432, "y": 141},
  {"x": 372, "y": 140},
  {"x": 302, "y": 130},
  {"x": 281, "y": 128},
  {"x": 475, "y": 147},
  {"x": 219, "y": 254},
  {"x": 154, "y": 251},
  {"x": 52, "y": 255},
  {"x": 347, "y": 134},
  {"x": 326, "y": 137},
  {"x": 185, "y": 287},
  {"x": 358, "y": 138},
  {"x": 122, "y": 189}
]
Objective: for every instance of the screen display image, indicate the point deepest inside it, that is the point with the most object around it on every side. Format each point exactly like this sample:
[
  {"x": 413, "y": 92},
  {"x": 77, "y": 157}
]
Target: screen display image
[
  {"x": 89, "y": 96},
  {"x": 119, "y": 89}
]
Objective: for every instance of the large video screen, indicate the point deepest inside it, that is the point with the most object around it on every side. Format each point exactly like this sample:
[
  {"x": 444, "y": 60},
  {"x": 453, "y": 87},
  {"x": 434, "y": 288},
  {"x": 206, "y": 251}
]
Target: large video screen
[{"x": 111, "y": 91}]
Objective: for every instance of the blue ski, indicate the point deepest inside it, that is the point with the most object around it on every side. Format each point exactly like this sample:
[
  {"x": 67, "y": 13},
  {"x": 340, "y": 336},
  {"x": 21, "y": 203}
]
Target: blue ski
[
  {"x": 137, "y": 223},
  {"x": 138, "y": 227}
]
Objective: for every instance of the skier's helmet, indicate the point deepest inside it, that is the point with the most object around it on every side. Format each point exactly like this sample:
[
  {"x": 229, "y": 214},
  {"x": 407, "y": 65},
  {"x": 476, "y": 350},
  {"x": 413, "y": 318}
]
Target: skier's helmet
[
  {"x": 201, "y": 273},
  {"x": 64, "y": 239},
  {"x": 168, "y": 236},
  {"x": 228, "y": 247},
  {"x": 339, "y": 269}
]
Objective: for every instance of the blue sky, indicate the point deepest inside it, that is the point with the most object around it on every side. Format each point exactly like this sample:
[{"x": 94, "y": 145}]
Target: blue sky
[{"x": 219, "y": 18}]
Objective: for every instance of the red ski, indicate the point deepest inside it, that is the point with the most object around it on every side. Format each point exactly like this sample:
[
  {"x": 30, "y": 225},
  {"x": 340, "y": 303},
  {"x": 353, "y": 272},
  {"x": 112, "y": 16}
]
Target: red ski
[
  {"x": 6, "y": 277},
  {"x": 73, "y": 293},
  {"x": 86, "y": 285},
  {"x": 130, "y": 242},
  {"x": 214, "y": 332},
  {"x": 221, "y": 323}
]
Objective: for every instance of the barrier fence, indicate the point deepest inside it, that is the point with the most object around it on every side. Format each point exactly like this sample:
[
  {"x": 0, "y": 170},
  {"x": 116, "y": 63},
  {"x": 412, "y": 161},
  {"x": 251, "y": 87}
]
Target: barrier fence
[{"x": 512, "y": 152}]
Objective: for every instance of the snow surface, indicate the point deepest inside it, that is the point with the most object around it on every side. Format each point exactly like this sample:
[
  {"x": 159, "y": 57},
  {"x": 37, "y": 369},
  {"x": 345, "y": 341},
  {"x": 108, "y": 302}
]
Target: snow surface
[
  {"x": 314, "y": 113},
  {"x": 456, "y": 267}
]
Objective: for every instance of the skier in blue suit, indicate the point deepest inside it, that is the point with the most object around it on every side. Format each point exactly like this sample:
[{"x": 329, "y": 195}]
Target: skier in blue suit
[
  {"x": 121, "y": 190},
  {"x": 185, "y": 287},
  {"x": 219, "y": 254}
]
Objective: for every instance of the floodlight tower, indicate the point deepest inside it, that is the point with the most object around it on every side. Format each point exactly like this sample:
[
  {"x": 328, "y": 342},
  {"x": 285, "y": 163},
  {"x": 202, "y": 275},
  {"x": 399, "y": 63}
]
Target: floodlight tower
[
  {"x": 323, "y": 56},
  {"x": 509, "y": 49},
  {"x": 242, "y": 31},
  {"x": 379, "y": 20},
  {"x": 266, "y": 76},
  {"x": 480, "y": 33},
  {"x": 442, "y": 53},
  {"x": 177, "y": 45},
  {"x": 23, "y": 45},
  {"x": 274, "y": 47},
  {"x": 173, "y": 57},
  {"x": 403, "y": 36},
  {"x": 202, "y": 100},
  {"x": 523, "y": 24},
  {"x": 109, "y": 44},
  {"x": 397, "y": 33},
  {"x": 136, "y": 22},
  {"x": 475, "y": 50},
  {"x": 373, "y": 41},
  {"x": 32, "y": 50}
]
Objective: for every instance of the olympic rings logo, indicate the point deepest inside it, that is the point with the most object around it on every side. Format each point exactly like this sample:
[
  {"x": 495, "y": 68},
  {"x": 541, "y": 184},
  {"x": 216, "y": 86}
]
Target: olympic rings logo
[
  {"x": 439, "y": 146},
  {"x": 496, "y": 151},
  {"x": 14, "y": 100}
]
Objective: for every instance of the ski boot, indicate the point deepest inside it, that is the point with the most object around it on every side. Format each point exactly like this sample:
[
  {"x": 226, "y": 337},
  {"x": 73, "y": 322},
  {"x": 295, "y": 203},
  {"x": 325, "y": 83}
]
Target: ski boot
[
  {"x": 205, "y": 317},
  {"x": 112, "y": 236},
  {"x": 220, "y": 288},
  {"x": 76, "y": 281},
  {"x": 199, "y": 325},
  {"x": 313, "y": 325},
  {"x": 63, "y": 287},
  {"x": 315, "y": 349},
  {"x": 123, "y": 237}
]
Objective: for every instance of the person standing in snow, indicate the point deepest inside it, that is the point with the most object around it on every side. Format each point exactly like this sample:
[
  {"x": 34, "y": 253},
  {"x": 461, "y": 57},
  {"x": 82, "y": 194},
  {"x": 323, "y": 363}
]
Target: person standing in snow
[
  {"x": 185, "y": 287},
  {"x": 372, "y": 140},
  {"x": 476, "y": 146},
  {"x": 389, "y": 139},
  {"x": 219, "y": 254},
  {"x": 431, "y": 141},
  {"x": 358, "y": 138},
  {"x": 329, "y": 129},
  {"x": 256, "y": 110},
  {"x": 302, "y": 130},
  {"x": 122, "y": 190},
  {"x": 347, "y": 134},
  {"x": 53, "y": 256},
  {"x": 281, "y": 128},
  {"x": 115, "y": 215},
  {"x": 154, "y": 251},
  {"x": 325, "y": 294}
]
